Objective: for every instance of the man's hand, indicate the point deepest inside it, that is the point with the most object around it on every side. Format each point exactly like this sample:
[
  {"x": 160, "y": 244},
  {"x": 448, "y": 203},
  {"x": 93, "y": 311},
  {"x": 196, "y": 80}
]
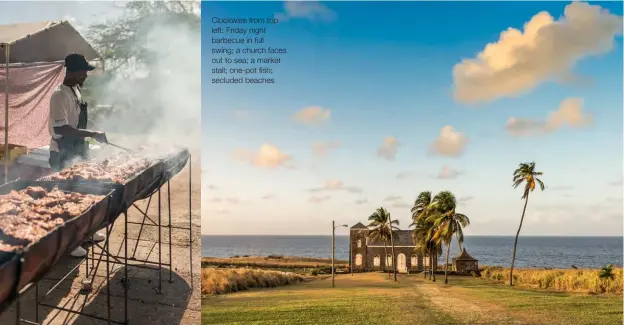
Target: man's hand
[{"x": 99, "y": 137}]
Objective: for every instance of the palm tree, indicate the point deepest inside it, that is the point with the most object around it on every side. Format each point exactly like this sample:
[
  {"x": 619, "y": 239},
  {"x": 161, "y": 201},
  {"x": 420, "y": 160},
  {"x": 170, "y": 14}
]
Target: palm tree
[
  {"x": 525, "y": 173},
  {"x": 447, "y": 222},
  {"x": 420, "y": 212},
  {"x": 380, "y": 229},
  {"x": 423, "y": 237}
]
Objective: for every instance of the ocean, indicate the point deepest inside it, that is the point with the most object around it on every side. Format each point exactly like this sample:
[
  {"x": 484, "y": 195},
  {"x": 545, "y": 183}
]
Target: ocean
[{"x": 533, "y": 252}]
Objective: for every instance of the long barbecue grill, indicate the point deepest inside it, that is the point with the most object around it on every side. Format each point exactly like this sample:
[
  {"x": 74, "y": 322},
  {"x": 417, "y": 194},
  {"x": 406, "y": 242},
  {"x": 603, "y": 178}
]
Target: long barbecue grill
[{"x": 23, "y": 267}]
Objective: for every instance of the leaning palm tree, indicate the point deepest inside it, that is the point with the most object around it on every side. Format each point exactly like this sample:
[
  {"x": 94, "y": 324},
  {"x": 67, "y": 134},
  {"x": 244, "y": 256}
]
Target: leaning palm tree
[
  {"x": 447, "y": 222},
  {"x": 380, "y": 229},
  {"x": 421, "y": 206},
  {"x": 525, "y": 173}
]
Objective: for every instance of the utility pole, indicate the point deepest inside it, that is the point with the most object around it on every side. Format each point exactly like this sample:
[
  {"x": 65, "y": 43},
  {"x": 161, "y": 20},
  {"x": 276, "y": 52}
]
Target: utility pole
[
  {"x": 333, "y": 249},
  {"x": 394, "y": 262}
]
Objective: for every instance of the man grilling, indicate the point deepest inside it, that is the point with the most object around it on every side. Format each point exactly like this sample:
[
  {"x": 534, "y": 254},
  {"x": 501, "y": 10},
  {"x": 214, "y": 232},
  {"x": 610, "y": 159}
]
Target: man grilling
[{"x": 68, "y": 123}]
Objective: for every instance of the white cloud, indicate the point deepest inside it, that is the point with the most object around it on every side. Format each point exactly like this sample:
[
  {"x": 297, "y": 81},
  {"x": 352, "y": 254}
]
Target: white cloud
[
  {"x": 319, "y": 199},
  {"x": 321, "y": 149},
  {"x": 392, "y": 198},
  {"x": 388, "y": 149},
  {"x": 447, "y": 172},
  {"x": 268, "y": 156},
  {"x": 402, "y": 175},
  {"x": 570, "y": 113},
  {"x": 465, "y": 199},
  {"x": 547, "y": 49},
  {"x": 336, "y": 185},
  {"x": 268, "y": 197},
  {"x": 310, "y": 10},
  {"x": 450, "y": 143},
  {"x": 361, "y": 201},
  {"x": 312, "y": 115},
  {"x": 401, "y": 205}
]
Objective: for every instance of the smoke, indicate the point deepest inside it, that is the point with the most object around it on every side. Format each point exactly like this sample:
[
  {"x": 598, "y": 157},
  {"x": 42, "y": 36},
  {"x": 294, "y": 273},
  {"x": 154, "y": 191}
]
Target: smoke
[{"x": 156, "y": 102}]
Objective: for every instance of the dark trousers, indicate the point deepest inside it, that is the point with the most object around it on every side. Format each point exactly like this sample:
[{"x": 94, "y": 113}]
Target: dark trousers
[{"x": 59, "y": 161}]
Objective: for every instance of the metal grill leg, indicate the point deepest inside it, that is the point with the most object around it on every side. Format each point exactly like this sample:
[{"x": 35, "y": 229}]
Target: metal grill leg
[
  {"x": 126, "y": 267},
  {"x": 108, "y": 304},
  {"x": 170, "y": 228},
  {"x": 159, "y": 244},
  {"x": 190, "y": 221}
]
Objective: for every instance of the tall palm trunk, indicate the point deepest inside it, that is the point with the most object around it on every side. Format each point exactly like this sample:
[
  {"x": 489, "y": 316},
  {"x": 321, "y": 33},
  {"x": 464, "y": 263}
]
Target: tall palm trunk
[
  {"x": 424, "y": 268},
  {"x": 394, "y": 268},
  {"x": 386, "y": 259},
  {"x": 433, "y": 269},
  {"x": 430, "y": 265},
  {"x": 513, "y": 257},
  {"x": 448, "y": 251},
  {"x": 459, "y": 244}
]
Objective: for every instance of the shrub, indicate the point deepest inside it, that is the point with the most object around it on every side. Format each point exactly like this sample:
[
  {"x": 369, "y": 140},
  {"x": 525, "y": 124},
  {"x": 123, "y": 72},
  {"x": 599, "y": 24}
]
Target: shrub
[
  {"x": 568, "y": 280},
  {"x": 219, "y": 281}
]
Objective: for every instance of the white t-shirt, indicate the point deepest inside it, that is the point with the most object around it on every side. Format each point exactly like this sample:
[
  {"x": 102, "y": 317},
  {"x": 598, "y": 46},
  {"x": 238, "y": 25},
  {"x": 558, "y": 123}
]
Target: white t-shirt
[{"x": 64, "y": 110}]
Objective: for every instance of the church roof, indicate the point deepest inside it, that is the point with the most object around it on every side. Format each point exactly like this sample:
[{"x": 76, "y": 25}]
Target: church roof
[
  {"x": 400, "y": 238},
  {"x": 359, "y": 225},
  {"x": 464, "y": 256}
]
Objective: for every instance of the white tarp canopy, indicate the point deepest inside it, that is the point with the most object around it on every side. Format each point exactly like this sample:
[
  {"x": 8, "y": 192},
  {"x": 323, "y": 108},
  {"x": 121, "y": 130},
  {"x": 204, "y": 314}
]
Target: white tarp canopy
[{"x": 48, "y": 41}]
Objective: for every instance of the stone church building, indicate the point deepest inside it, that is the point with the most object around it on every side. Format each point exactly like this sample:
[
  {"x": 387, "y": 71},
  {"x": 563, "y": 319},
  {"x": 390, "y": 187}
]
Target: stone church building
[{"x": 368, "y": 255}]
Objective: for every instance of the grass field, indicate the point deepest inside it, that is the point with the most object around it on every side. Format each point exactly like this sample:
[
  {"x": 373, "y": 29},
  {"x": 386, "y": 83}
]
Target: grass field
[
  {"x": 373, "y": 299},
  {"x": 269, "y": 262}
]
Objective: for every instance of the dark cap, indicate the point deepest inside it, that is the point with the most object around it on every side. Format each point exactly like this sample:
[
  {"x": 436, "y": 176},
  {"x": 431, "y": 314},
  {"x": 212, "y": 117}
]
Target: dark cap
[{"x": 77, "y": 62}]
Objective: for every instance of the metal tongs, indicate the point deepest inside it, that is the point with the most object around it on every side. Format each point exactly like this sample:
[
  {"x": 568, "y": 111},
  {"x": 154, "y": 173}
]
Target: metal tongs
[{"x": 118, "y": 146}]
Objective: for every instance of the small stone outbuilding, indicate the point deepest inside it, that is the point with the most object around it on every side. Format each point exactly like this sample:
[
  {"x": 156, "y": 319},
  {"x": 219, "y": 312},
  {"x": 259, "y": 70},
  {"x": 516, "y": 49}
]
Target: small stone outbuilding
[{"x": 465, "y": 263}]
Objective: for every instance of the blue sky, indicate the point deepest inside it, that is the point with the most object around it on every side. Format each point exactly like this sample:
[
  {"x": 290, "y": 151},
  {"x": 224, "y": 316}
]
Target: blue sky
[{"x": 369, "y": 73}]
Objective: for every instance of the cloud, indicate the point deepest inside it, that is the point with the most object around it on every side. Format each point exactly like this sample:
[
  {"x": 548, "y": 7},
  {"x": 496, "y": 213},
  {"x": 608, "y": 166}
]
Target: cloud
[
  {"x": 268, "y": 156},
  {"x": 570, "y": 113},
  {"x": 464, "y": 199},
  {"x": 311, "y": 10},
  {"x": 388, "y": 148},
  {"x": 212, "y": 187},
  {"x": 230, "y": 200},
  {"x": 401, "y": 205},
  {"x": 402, "y": 175},
  {"x": 312, "y": 115},
  {"x": 447, "y": 172},
  {"x": 321, "y": 149},
  {"x": 450, "y": 143},
  {"x": 319, "y": 199},
  {"x": 336, "y": 185},
  {"x": 392, "y": 198},
  {"x": 560, "y": 188},
  {"x": 221, "y": 211},
  {"x": 361, "y": 201},
  {"x": 242, "y": 114},
  {"x": 268, "y": 197},
  {"x": 547, "y": 49},
  {"x": 617, "y": 183}
]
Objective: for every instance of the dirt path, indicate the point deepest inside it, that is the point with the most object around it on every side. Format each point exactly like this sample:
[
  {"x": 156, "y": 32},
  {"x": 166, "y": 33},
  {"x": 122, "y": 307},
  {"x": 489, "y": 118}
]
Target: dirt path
[{"x": 469, "y": 309}]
